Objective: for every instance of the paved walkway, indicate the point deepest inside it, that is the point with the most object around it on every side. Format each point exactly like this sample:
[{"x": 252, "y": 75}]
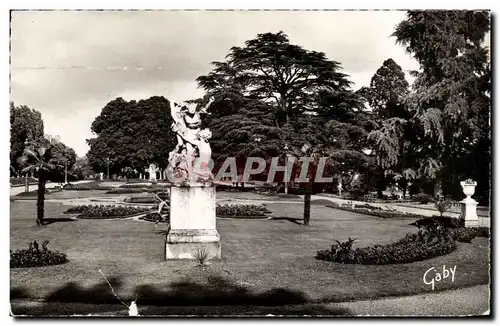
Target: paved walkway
[
  {"x": 471, "y": 301},
  {"x": 483, "y": 220},
  {"x": 17, "y": 190}
]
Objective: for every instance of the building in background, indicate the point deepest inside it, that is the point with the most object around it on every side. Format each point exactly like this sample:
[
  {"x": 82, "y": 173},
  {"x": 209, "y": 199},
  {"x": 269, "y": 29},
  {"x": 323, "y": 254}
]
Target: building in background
[{"x": 53, "y": 139}]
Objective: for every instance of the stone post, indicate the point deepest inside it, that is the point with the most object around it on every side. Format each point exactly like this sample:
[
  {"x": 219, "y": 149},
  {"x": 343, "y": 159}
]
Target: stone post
[
  {"x": 469, "y": 205},
  {"x": 101, "y": 175}
]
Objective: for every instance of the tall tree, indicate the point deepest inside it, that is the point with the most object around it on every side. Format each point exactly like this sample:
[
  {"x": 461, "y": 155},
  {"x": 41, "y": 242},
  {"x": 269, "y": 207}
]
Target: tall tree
[
  {"x": 450, "y": 101},
  {"x": 393, "y": 140},
  {"x": 273, "y": 95},
  {"x": 132, "y": 134},
  {"x": 271, "y": 69},
  {"x": 26, "y": 125}
]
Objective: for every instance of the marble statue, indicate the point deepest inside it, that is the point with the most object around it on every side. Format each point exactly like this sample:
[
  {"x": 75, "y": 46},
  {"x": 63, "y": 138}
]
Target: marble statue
[{"x": 192, "y": 142}]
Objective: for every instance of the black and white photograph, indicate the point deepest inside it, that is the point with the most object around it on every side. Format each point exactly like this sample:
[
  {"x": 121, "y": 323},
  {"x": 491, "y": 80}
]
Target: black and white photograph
[{"x": 250, "y": 163}]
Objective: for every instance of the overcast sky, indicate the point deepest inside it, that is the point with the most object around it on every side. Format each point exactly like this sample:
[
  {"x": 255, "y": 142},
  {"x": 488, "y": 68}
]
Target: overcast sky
[{"x": 69, "y": 64}]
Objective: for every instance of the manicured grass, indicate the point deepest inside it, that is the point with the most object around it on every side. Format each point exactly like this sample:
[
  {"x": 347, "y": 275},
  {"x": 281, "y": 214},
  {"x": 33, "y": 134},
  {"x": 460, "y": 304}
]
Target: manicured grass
[{"x": 259, "y": 256}]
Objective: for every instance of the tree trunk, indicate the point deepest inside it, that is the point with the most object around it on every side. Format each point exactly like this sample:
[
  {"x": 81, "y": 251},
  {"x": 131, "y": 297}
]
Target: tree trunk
[
  {"x": 26, "y": 184},
  {"x": 307, "y": 204},
  {"x": 41, "y": 200}
]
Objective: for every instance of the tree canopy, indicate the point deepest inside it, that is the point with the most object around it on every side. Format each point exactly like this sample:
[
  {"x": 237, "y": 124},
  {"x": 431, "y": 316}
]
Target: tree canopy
[
  {"x": 448, "y": 107},
  {"x": 271, "y": 95},
  {"x": 26, "y": 125},
  {"x": 131, "y": 134}
]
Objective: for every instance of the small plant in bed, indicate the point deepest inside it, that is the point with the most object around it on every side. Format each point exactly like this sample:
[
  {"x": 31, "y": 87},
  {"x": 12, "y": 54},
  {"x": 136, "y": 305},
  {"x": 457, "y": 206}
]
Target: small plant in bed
[
  {"x": 429, "y": 242},
  {"x": 105, "y": 211},
  {"x": 242, "y": 211},
  {"x": 35, "y": 256}
]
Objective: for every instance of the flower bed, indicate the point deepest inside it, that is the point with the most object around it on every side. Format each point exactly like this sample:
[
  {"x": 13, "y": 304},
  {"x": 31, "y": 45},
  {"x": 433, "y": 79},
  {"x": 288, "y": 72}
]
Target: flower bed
[
  {"x": 126, "y": 191},
  {"x": 93, "y": 185},
  {"x": 133, "y": 186},
  {"x": 105, "y": 211},
  {"x": 35, "y": 256},
  {"x": 429, "y": 242},
  {"x": 377, "y": 212},
  {"x": 242, "y": 211}
]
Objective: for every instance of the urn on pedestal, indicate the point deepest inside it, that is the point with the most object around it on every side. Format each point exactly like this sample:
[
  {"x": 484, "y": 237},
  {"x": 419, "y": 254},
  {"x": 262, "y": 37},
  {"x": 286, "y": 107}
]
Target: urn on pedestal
[{"x": 469, "y": 205}]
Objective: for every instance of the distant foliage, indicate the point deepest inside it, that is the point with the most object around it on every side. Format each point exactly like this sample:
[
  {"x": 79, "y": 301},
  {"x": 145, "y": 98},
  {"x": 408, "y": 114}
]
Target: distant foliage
[{"x": 35, "y": 256}]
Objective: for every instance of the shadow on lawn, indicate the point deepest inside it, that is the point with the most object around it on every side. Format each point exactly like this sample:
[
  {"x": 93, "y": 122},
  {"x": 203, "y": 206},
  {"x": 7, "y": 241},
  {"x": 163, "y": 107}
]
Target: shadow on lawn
[
  {"x": 215, "y": 298},
  {"x": 47, "y": 221},
  {"x": 294, "y": 220}
]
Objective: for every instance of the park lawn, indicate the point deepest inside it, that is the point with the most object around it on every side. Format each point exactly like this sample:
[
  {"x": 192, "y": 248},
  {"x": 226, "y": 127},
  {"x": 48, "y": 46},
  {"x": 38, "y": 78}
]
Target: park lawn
[{"x": 259, "y": 258}]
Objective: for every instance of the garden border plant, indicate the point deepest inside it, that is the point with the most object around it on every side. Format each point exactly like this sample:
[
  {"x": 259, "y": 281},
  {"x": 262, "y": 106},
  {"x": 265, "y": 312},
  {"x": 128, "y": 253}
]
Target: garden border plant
[{"x": 430, "y": 241}]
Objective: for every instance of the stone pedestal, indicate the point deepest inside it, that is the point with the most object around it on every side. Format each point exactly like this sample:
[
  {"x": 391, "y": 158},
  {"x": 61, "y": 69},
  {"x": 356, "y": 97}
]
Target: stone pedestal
[
  {"x": 469, "y": 213},
  {"x": 192, "y": 222}
]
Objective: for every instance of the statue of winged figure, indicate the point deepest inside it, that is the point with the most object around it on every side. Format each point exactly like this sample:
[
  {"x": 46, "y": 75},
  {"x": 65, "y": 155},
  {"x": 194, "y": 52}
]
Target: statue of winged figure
[{"x": 192, "y": 141}]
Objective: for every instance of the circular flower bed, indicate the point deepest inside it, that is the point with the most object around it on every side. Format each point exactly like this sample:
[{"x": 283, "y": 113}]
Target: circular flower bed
[{"x": 35, "y": 256}]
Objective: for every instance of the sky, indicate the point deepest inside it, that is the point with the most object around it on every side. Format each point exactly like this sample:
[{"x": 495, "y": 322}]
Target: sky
[{"x": 69, "y": 64}]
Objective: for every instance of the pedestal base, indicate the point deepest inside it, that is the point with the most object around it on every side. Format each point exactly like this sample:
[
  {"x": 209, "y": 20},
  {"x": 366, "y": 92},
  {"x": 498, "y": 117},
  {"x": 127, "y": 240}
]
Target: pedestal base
[
  {"x": 188, "y": 244},
  {"x": 469, "y": 213},
  {"x": 192, "y": 222}
]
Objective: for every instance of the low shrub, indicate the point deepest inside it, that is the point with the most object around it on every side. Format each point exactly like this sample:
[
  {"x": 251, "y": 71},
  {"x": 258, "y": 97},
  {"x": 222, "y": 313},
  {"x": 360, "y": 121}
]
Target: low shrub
[
  {"x": 443, "y": 205},
  {"x": 105, "y": 211},
  {"x": 242, "y": 211},
  {"x": 429, "y": 242},
  {"x": 423, "y": 198},
  {"x": 456, "y": 226},
  {"x": 35, "y": 256}
]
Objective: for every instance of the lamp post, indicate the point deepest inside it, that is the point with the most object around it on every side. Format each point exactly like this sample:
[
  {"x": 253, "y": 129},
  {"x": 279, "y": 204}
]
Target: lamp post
[
  {"x": 286, "y": 169},
  {"x": 107, "y": 161},
  {"x": 66, "y": 171}
]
